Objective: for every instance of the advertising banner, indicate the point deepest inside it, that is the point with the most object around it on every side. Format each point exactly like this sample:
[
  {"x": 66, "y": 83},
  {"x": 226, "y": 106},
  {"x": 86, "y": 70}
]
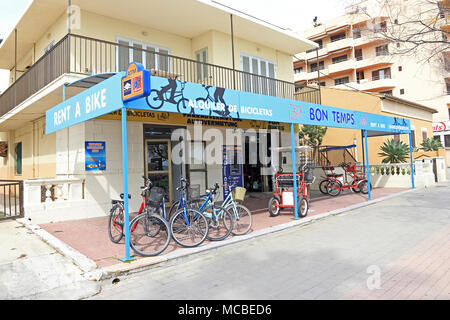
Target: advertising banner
[
  {"x": 232, "y": 168},
  {"x": 196, "y": 99},
  {"x": 95, "y": 156}
]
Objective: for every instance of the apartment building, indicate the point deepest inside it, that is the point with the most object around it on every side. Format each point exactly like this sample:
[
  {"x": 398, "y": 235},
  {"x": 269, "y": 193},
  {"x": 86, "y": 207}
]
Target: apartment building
[
  {"x": 351, "y": 57},
  {"x": 54, "y": 53}
]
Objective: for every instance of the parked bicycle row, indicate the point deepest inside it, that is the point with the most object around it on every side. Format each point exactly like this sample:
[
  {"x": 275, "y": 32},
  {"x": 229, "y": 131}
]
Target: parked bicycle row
[{"x": 189, "y": 221}]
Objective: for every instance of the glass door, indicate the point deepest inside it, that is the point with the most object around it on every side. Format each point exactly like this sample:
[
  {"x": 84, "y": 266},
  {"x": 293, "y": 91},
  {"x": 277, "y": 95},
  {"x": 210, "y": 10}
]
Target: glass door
[{"x": 158, "y": 165}]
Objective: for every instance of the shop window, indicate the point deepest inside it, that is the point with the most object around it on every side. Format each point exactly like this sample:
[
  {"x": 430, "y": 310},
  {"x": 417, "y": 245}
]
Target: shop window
[
  {"x": 151, "y": 56},
  {"x": 18, "y": 158},
  {"x": 202, "y": 69},
  {"x": 259, "y": 75}
]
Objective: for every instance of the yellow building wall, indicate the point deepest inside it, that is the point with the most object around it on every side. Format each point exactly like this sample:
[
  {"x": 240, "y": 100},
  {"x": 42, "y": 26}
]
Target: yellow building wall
[
  {"x": 218, "y": 43},
  {"x": 365, "y": 103},
  {"x": 38, "y": 152}
]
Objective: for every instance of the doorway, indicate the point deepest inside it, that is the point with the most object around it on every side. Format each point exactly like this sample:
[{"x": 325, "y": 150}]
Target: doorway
[
  {"x": 256, "y": 178},
  {"x": 158, "y": 165}
]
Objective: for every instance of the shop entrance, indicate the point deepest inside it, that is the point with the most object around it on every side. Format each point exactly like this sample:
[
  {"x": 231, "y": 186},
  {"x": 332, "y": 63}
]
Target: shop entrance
[
  {"x": 159, "y": 167},
  {"x": 257, "y": 164}
]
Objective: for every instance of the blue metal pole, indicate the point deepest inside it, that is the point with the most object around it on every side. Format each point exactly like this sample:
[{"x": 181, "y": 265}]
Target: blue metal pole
[
  {"x": 294, "y": 171},
  {"x": 367, "y": 165},
  {"x": 363, "y": 153},
  {"x": 412, "y": 161},
  {"x": 125, "y": 185}
]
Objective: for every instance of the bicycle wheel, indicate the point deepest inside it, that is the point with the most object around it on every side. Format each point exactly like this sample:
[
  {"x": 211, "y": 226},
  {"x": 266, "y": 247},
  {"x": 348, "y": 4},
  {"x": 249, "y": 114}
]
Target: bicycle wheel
[
  {"x": 220, "y": 222},
  {"x": 242, "y": 219},
  {"x": 173, "y": 209},
  {"x": 183, "y": 105},
  {"x": 153, "y": 100},
  {"x": 334, "y": 188},
  {"x": 115, "y": 223},
  {"x": 189, "y": 227},
  {"x": 151, "y": 235},
  {"x": 356, "y": 189},
  {"x": 323, "y": 186},
  {"x": 364, "y": 187}
]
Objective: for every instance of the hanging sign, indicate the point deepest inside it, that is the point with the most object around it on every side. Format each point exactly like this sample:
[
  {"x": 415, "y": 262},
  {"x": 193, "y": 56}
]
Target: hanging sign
[{"x": 136, "y": 83}]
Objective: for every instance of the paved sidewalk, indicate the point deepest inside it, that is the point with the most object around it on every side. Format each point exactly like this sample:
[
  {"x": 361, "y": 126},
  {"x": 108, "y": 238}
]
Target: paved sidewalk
[
  {"x": 400, "y": 245},
  {"x": 90, "y": 237},
  {"x": 32, "y": 269}
]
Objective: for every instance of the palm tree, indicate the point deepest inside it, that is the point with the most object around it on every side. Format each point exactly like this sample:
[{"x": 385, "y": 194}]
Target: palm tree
[
  {"x": 431, "y": 144},
  {"x": 394, "y": 151}
]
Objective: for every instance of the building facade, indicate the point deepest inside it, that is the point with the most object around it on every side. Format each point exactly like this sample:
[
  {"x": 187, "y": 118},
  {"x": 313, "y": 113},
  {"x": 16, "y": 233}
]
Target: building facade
[
  {"x": 352, "y": 57},
  {"x": 55, "y": 53}
]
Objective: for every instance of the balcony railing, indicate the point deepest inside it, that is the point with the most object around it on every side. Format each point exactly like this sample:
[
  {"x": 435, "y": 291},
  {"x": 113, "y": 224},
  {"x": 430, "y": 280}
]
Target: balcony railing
[{"x": 83, "y": 55}]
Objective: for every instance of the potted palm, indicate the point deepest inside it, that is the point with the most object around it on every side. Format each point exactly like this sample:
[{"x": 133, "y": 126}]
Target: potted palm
[{"x": 394, "y": 151}]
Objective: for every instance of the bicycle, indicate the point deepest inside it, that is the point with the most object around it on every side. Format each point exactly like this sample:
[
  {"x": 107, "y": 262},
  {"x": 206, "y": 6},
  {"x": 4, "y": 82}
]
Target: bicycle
[
  {"x": 241, "y": 214},
  {"x": 217, "y": 216},
  {"x": 189, "y": 227},
  {"x": 350, "y": 180},
  {"x": 156, "y": 99},
  {"x": 225, "y": 113},
  {"x": 149, "y": 233}
]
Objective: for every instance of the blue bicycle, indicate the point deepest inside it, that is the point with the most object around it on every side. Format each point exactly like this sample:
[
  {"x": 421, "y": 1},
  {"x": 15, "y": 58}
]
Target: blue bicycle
[
  {"x": 220, "y": 220},
  {"x": 189, "y": 227}
]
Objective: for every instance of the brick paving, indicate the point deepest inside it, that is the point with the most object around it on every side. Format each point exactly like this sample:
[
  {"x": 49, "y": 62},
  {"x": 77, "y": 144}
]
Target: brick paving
[
  {"x": 406, "y": 238},
  {"x": 90, "y": 236}
]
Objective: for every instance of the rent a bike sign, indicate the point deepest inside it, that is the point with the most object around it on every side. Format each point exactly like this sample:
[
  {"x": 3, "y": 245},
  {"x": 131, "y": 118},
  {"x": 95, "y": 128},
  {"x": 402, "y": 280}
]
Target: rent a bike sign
[
  {"x": 96, "y": 101},
  {"x": 103, "y": 98}
]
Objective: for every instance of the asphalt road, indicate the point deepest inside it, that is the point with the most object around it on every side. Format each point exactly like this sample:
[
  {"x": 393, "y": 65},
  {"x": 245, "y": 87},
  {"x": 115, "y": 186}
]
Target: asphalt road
[{"x": 395, "y": 249}]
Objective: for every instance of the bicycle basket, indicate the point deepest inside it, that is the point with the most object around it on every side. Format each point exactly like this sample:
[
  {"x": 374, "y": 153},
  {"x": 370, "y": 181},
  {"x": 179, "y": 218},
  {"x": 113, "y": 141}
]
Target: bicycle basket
[
  {"x": 239, "y": 194},
  {"x": 156, "y": 196},
  {"x": 194, "y": 191}
]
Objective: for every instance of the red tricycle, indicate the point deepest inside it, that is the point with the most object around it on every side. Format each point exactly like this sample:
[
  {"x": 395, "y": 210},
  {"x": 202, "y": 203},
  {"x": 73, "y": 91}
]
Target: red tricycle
[
  {"x": 353, "y": 178},
  {"x": 283, "y": 195}
]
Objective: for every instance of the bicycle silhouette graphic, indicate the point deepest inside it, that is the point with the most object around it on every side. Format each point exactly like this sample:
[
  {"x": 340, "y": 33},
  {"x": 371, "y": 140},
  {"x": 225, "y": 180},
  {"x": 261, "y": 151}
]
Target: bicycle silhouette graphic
[
  {"x": 170, "y": 94},
  {"x": 218, "y": 96}
]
